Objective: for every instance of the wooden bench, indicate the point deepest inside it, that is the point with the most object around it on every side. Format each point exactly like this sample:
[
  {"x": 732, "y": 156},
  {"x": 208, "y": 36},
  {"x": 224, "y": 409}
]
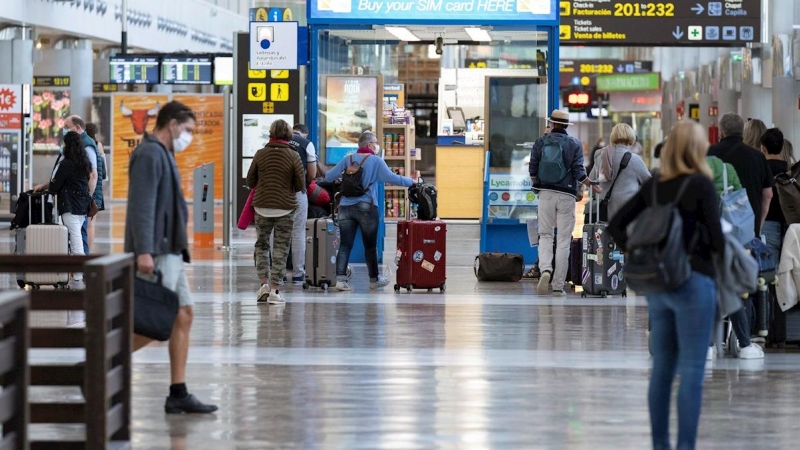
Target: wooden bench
[
  {"x": 105, "y": 374},
  {"x": 14, "y": 369}
]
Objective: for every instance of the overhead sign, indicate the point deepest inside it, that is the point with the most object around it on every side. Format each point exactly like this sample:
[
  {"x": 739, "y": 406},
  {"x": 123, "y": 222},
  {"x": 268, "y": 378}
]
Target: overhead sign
[
  {"x": 583, "y": 72},
  {"x": 635, "y": 82},
  {"x": 273, "y": 45},
  {"x": 730, "y": 23},
  {"x": 440, "y": 11},
  {"x": 51, "y": 81}
]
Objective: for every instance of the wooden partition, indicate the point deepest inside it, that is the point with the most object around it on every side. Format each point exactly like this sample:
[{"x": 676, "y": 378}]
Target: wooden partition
[
  {"x": 105, "y": 374},
  {"x": 14, "y": 369}
]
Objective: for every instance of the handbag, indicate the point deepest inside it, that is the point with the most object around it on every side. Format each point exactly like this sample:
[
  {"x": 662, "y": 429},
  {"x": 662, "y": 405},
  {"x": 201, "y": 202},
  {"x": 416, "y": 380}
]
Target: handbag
[
  {"x": 735, "y": 209},
  {"x": 248, "y": 212},
  {"x": 93, "y": 209},
  {"x": 154, "y": 308},
  {"x": 499, "y": 266},
  {"x": 603, "y": 215}
]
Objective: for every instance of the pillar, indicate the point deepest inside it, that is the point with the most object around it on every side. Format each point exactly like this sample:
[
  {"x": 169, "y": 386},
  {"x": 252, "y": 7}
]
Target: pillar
[{"x": 784, "y": 88}]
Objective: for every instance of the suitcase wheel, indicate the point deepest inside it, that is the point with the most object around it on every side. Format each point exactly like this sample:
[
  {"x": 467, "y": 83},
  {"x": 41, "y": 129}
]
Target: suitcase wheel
[
  {"x": 442, "y": 288},
  {"x": 409, "y": 288},
  {"x": 625, "y": 293},
  {"x": 603, "y": 294},
  {"x": 430, "y": 289},
  {"x": 306, "y": 286},
  {"x": 397, "y": 288},
  {"x": 21, "y": 284},
  {"x": 583, "y": 294},
  {"x": 324, "y": 285}
]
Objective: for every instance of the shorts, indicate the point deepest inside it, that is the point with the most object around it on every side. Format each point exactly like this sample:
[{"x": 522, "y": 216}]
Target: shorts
[{"x": 173, "y": 277}]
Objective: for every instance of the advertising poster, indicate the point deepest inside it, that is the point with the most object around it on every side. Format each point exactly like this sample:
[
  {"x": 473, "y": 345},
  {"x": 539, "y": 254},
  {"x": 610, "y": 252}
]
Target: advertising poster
[
  {"x": 350, "y": 108},
  {"x": 255, "y": 131},
  {"x": 50, "y": 108},
  {"x": 133, "y": 114},
  {"x": 101, "y": 116},
  {"x": 510, "y": 197},
  {"x": 208, "y": 142}
]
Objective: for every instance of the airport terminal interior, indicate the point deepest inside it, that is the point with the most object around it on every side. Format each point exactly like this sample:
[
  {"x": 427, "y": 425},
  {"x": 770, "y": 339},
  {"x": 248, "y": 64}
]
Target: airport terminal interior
[{"x": 456, "y": 93}]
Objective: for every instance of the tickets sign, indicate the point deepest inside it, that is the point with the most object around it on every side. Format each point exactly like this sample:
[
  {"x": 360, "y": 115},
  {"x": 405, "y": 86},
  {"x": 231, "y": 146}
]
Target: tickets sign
[{"x": 730, "y": 23}]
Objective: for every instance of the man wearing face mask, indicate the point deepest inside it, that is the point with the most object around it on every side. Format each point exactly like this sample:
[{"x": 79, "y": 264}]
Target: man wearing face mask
[
  {"x": 362, "y": 211},
  {"x": 155, "y": 231}
]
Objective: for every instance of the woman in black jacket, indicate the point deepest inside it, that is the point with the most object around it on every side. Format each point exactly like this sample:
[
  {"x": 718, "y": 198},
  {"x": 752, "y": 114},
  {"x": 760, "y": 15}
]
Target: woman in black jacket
[
  {"x": 681, "y": 319},
  {"x": 70, "y": 184}
]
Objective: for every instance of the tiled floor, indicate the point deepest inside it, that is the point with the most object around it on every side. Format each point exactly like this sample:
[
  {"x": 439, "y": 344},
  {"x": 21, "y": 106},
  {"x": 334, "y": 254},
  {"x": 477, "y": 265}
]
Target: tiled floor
[{"x": 481, "y": 366}]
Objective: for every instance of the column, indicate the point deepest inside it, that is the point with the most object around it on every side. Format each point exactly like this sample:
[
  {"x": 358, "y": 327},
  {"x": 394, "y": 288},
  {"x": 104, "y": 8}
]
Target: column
[{"x": 784, "y": 89}]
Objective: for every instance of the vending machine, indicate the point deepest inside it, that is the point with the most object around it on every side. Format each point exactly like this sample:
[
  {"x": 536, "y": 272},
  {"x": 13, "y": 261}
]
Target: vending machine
[{"x": 11, "y": 147}]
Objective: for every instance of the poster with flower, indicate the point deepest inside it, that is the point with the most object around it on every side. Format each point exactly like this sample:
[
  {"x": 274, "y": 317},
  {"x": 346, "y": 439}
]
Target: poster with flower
[{"x": 50, "y": 109}]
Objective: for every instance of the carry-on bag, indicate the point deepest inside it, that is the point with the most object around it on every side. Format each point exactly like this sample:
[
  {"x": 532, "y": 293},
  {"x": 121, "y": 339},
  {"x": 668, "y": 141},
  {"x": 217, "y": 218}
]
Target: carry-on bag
[
  {"x": 602, "y": 262},
  {"x": 40, "y": 238},
  {"x": 322, "y": 245},
  {"x": 421, "y": 247},
  {"x": 499, "y": 266},
  {"x": 154, "y": 308}
]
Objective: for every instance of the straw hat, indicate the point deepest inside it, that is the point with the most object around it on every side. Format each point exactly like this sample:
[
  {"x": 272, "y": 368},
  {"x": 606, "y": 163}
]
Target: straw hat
[{"x": 559, "y": 117}]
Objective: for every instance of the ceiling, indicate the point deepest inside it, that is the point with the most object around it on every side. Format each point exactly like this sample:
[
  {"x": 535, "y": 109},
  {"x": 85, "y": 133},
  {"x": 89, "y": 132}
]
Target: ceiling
[{"x": 451, "y": 34}]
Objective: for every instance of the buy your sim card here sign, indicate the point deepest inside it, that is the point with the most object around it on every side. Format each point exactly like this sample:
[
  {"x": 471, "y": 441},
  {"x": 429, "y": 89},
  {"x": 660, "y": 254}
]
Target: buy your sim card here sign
[{"x": 442, "y": 11}]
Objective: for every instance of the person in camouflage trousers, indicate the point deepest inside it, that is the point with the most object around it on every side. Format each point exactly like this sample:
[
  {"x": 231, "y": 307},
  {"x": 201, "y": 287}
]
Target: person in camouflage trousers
[{"x": 276, "y": 270}]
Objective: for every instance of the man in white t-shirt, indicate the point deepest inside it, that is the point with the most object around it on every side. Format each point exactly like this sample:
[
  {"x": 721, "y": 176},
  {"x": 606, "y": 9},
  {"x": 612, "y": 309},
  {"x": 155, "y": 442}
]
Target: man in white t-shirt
[{"x": 308, "y": 155}]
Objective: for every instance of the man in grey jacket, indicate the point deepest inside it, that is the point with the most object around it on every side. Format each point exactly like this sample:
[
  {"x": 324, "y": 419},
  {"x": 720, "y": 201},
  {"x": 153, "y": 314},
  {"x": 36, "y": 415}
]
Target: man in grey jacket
[
  {"x": 155, "y": 231},
  {"x": 556, "y": 170}
]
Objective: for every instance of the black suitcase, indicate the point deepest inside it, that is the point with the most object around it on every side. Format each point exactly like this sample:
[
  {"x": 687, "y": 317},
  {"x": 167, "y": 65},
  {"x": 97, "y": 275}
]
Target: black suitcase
[{"x": 602, "y": 262}]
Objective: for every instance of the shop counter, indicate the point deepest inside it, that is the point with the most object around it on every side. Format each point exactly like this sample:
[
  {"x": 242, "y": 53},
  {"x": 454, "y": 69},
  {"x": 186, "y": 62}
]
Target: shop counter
[{"x": 459, "y": 180}]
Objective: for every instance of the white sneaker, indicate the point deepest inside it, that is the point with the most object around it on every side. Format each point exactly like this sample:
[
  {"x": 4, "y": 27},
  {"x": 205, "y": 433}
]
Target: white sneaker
[
  {"x": 76, "y": 285},
  {"x": 380, "y": 284},
  {"x": 275, "y": 298},
  {"x": 559, "y": 293},
  {"x": 263, "y": 293},
  {"x": 712, "y": 353},
  {"x": 752, "y": 351},
  {"x": 543, "y": 288},
  {"x": 342, "y": 285}
]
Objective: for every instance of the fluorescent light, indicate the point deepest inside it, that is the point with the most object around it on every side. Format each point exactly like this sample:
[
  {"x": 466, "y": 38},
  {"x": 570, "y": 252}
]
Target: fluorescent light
[
  {"x": 478, "y": 34},
  {"x": 402, "y": 33}
]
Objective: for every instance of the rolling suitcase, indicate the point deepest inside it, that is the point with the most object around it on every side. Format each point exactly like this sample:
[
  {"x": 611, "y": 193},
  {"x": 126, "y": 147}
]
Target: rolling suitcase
[
  {"x": 575, "y": 262},
  {"x": 421, "y": 247},
  {"x": 601, "y": 262},
  {"x": 322, "y": 244},
  {"x": 42, "y": 239}
]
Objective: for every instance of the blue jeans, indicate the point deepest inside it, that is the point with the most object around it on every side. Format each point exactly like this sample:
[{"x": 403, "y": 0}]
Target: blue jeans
[
  {"x": 682, "y": 322},
  {"x": 773, "y": 231},
  {"x": 365, "y": 216},
  {"x": 85, "y": 236}
]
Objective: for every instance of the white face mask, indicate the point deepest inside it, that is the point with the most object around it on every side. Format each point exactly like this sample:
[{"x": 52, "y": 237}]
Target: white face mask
[
  {"x": 183, "y": 141},
  {"x": 377, "y": 149}
]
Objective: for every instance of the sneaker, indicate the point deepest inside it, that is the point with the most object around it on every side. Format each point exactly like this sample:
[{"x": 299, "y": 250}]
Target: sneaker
[
  {"x": 752, "y": 351},
  {"x": 379, "y": 284},
  {"x": 300, "y": 279},
  {"x": 543, "y": 288},
  {"x": 712, "y": 353},
  {"x": 263, "y": 293},
  {"x": 275, "y": 298},
  {"x": 559, "y": 293},
  {"x": 343, "y": 285},
  {"x": 76, "y": 285},
  {"x": 188, "y": 405}
]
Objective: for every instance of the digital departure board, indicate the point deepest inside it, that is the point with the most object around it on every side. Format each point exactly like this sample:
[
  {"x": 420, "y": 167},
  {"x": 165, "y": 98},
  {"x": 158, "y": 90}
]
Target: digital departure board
[
  {"x": 729, "y": 23},
  {"x": 583, "y": 72},
  {"x": 134, "y": 69},
  {"x": 186, "y": 70}
]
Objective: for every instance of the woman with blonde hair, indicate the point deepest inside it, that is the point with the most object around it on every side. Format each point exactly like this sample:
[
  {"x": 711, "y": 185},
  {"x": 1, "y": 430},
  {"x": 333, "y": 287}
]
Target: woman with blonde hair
[
  {"x": 614, "y": 167},
  {"x": 681, "y": 319},
  {"x": 753, "y": 130}
]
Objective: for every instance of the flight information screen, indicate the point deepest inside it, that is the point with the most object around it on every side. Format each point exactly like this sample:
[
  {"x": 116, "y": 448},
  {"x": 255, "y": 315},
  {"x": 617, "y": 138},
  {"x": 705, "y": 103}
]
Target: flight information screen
[
  {"x": 186, "y": 70},
  {"x": 134, "y": 70}
]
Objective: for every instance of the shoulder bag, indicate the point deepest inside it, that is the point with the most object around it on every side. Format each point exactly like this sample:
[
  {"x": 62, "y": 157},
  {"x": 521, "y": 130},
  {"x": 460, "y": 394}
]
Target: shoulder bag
[
  {"x": 154, "y": 308},
  {"x": 604, "y": 202}
]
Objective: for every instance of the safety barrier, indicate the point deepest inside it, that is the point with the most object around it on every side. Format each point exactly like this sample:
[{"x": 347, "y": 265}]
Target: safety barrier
[
  {"x": 14, "y": 369},
  {"x": 105, "y": 374}
]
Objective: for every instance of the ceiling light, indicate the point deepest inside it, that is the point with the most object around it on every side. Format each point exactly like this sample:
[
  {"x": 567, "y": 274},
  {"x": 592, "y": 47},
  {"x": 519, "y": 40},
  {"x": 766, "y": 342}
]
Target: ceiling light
[
  {"x": 402, "y": 33},
  {"x": 478, "y": 34}
]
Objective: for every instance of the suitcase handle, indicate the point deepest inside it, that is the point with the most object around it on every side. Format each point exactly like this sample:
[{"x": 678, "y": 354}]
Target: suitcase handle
[{"x": 592, "y": 196}]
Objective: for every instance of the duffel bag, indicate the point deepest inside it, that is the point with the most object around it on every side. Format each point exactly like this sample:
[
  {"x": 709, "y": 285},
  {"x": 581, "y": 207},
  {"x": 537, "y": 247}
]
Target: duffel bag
[{"x": 499, "y": 266}]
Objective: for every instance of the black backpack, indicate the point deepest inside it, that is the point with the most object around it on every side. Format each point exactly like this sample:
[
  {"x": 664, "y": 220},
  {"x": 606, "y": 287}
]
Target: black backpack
[
  {"x": 352, "y": 185},
  {"x": 657, "y": 259},
  {"x": 425, "y": 196}
]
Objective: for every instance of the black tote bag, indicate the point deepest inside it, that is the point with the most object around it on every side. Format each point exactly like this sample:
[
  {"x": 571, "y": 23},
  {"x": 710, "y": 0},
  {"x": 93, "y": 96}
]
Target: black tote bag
[{"x": 154, "y": 308}]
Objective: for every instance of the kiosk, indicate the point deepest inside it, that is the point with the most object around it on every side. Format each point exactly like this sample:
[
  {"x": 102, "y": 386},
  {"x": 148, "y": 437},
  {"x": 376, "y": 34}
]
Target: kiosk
[{"x": 336, "y": 27}]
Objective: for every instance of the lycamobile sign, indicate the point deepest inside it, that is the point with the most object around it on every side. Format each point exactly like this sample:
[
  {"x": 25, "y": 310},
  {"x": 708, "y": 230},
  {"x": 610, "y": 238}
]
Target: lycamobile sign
[{"x": 632, "y": 82}]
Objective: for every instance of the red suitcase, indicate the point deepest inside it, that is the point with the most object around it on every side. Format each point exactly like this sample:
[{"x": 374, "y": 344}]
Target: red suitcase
[{"x": 421, "y": 249}]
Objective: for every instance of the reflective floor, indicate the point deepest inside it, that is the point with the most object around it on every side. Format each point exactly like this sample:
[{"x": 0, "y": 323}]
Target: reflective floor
[{"x": 481, "y": 366}]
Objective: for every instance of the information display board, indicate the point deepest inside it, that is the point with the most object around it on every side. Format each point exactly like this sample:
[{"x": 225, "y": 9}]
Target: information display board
[
  {"x": 134, "y": 69},
  {"x": 583, "y": 72},
  {"x": 730, "y": 23},
  {"x": 183, "y": 70}
]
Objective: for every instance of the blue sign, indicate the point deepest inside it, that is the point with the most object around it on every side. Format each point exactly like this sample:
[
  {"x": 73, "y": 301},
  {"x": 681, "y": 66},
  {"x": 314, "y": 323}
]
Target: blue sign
[
  {"x": 439, "y": 11},
  {"x": 275, "y": 15}
]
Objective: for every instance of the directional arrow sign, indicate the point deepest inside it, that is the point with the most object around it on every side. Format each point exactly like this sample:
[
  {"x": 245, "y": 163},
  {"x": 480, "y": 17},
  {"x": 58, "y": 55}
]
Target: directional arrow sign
[
  {"x": 698, "y": 9},
  {"x": 677, "y": 33}
]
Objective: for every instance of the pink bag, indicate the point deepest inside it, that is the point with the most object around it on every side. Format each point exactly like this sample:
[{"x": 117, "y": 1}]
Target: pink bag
[{"x": 248, "y": 212}]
